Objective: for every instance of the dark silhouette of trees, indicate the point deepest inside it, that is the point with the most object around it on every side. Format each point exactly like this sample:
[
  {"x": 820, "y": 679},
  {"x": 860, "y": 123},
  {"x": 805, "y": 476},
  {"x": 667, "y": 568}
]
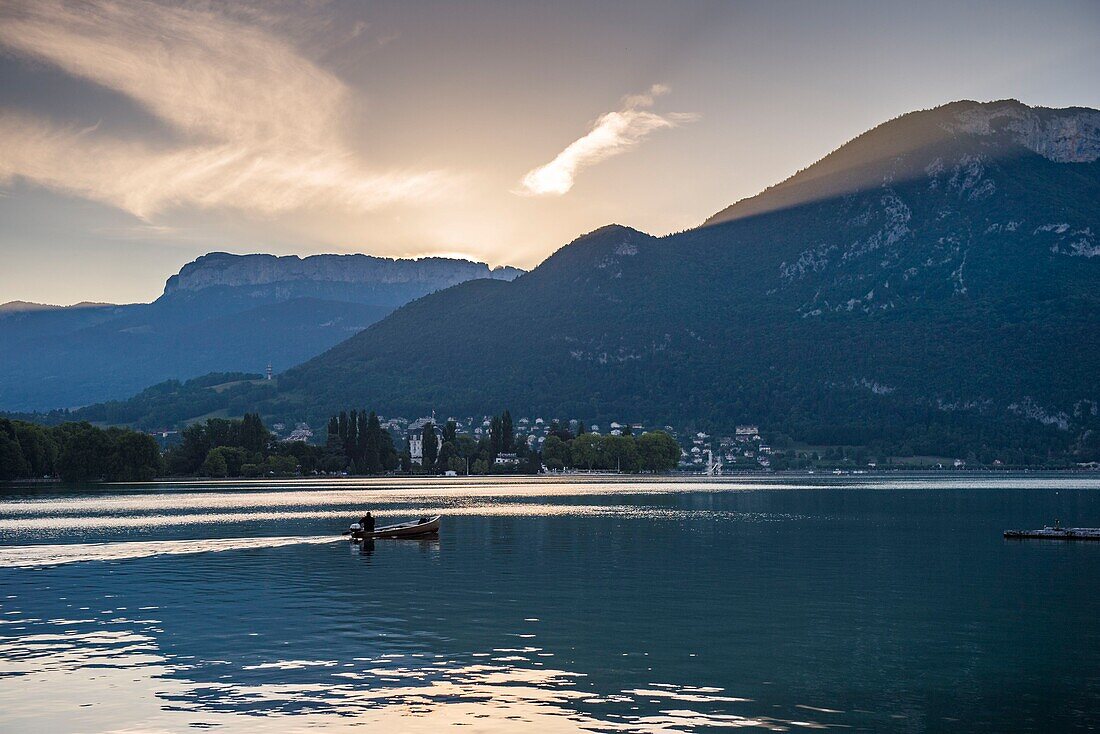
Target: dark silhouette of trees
[
  {"x": 372, "y": 445},
  {"x": 430, "y": 447},
  {"x": 254, "y": 436},
  {"x": 507, "y": 435},
  {"x": 76, "y": 452},
  {"x": 496, "y": 437}
]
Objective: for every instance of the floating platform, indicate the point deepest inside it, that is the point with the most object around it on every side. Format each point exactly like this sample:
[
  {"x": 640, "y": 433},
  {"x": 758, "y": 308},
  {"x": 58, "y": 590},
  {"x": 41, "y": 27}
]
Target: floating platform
[{"x": 1055, "y": 533}]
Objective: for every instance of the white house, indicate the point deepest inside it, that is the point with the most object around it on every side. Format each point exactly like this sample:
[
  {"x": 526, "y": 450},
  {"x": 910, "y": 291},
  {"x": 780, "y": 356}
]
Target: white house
[
  {"x": 746, "y": 433},
  {"x": 416, "y": 444}
]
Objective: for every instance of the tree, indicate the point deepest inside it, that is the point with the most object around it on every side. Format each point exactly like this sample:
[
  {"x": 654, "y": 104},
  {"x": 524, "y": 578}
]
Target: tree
[
  {"x": 387, "y": 453},
  {"x": 533, "y": 465},
  {"x": 447, "y": 453},
  {"x": 620, "y": 453},
  {"x": 450, "y": 431},
  {"x": 555, "y": 450},
  {"x": 496, "y": 440},
  {"x": 562, "y": 432},
  {"x": 253, "y": 435},
  {"x": 658, "y": 451},
  {"x": 13, "y": 465},
  {"x": 135, "y": 457},
  {"x": 372, "y": 445},
  {"x": 351, "y": 440},
  {"x": 342, "y": 425},
  {"x": 430, "y": 450},
  {"x": 215, "y": 464},
  {"x": 280, "y": 466},
  {"x": 76, "y": 452},
  {"x": 309, "y": 458},
  {"x": 84, "y": 452},
  {"x": 187, "y": 457},
  {"x": 223, "y": 432},
  {"x": 507, "y": 435},
  {"x": 465, "y": 445},
  {"x": 587, "y": 451},
  {"x": 38, "y": 446}
]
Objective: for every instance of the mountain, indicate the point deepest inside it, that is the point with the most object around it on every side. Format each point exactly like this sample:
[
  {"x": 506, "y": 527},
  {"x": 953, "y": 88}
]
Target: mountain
[
  {"x": 932, "y": 286},
  {"x": 221, "y": 312},
  {"x": 358, "y": 278},
  {"x": 28, "y": 307}
]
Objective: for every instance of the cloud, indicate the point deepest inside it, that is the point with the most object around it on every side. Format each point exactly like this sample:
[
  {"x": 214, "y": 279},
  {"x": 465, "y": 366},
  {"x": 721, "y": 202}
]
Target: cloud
[
  {"x": 254, "y": 124},
  {"x": 611, "y": 134}
]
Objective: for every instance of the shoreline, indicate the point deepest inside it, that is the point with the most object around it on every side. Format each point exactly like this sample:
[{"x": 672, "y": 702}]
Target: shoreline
[{"x": 702, "y": 478}]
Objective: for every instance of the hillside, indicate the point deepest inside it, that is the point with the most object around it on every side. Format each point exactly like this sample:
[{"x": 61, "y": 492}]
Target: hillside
[
  {"x": 929, "y": 287},
  {"x": 220, "y": 313}
]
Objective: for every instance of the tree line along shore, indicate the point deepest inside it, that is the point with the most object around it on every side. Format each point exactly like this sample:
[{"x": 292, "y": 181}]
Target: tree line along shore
[{"x": 356, "y": 444}]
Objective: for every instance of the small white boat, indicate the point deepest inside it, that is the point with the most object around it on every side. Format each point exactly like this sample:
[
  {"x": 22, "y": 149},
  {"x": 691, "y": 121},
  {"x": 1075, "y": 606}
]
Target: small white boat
[{"x": 414, "y": 529}]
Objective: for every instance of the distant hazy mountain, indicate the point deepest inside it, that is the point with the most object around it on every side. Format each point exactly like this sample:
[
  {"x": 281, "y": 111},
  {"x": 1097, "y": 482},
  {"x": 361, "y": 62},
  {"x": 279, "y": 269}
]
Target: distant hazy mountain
[
  {"x": 932, "y": 286},
  {"x": 28, "y": 307},
  {"x": 358, "y": 278},
  {"x": 221, "y": 313}
]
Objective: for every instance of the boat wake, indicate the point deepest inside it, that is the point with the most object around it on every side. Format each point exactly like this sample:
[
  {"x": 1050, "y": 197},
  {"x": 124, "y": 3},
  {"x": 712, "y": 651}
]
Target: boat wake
[{"x": 32, "y": 556}]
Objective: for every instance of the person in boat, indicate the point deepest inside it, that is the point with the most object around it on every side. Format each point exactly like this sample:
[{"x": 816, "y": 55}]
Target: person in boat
[{"x": 366, "y": 524}]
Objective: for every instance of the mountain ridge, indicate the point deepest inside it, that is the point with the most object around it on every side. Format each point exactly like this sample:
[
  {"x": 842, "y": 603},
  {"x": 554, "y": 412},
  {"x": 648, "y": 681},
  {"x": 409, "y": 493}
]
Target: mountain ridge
[
  {"x": 965, "y": 116},
  {"x": 222, "y": 268},
  {"x": 220, "y": 313},
  {"x": 933, "y": 288}
]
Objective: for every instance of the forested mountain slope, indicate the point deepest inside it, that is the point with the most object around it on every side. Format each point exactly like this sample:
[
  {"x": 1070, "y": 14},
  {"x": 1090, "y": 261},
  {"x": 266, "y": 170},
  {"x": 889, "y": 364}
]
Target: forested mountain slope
[
  {"x": 221, "y": 312},
  {"x": 933, "y": 286}
]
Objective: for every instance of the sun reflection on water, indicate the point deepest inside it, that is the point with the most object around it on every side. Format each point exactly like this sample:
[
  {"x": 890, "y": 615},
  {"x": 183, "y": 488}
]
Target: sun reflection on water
[
  {"x": 92, "y": 675},
  {"x": 560, "y": 606}
]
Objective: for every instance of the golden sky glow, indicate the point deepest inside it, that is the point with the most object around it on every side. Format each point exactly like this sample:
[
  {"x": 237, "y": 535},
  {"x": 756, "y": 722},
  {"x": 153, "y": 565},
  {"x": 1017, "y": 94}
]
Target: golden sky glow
[{"x": 136, "y": 135}]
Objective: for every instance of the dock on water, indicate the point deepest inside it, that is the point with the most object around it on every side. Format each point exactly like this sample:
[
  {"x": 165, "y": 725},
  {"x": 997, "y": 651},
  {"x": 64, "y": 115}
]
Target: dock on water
[{"x": 1055, "y": 532}]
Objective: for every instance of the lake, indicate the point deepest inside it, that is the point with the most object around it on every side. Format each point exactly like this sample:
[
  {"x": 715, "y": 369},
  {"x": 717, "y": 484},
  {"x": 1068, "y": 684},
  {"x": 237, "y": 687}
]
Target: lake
[{"x": 602, "y": 604}]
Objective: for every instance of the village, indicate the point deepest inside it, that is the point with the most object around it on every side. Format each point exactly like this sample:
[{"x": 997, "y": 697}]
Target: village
[{"x": 745, "y": 450}]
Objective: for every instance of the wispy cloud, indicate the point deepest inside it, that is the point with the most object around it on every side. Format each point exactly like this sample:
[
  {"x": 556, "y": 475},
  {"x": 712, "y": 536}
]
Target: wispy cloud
[
  {"x": 613, "y": 133},
  {"x": 254, "y": 123}
]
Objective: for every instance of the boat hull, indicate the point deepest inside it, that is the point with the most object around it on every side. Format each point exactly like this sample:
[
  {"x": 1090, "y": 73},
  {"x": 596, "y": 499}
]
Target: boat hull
[{"x": 402, "y": 530}]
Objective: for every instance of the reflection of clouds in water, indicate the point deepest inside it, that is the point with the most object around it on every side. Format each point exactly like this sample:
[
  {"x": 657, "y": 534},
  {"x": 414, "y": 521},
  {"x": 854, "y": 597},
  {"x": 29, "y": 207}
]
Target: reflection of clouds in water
[
  {"x": 684, "y": 693},
  {"x": 238, "y": 494},
  {"x": 357, "y": 494},
  {"x": 511, "y": 509},
  {"x": 48, "y": 675}
]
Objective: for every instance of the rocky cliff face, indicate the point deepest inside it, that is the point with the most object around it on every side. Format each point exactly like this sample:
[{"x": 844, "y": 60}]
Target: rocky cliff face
[
  {"x": 963, "y": 139},
  {"x": 917, "y": 205},
  {"x": 432, "y": 273},
  {"x": 1065, "y": 136}
]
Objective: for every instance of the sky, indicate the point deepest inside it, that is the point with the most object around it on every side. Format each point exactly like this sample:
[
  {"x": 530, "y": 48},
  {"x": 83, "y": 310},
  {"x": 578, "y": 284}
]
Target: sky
[{"x": 136, "y": 136}]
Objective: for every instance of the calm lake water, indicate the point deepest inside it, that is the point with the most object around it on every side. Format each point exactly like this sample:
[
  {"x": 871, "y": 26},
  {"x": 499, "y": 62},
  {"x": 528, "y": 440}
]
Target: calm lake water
[{"x": 552, "y": 605}]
